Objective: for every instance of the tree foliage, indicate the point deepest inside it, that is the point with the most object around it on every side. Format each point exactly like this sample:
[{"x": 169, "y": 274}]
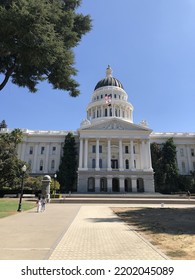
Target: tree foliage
[
  {"x": 164, "y": 165},
  {"x": 67, "y": 176},
  {"x": 37, "y": 41},
  {"x": 10, "y": 165},
  {"x": 3, "y": 124}
]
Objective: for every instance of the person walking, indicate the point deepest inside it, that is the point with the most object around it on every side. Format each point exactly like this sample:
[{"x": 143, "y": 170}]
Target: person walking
[
  {"x": 43, "y": 202},
  {"x": 38, "y": 204},
  {"x": 188, "y": 195}
]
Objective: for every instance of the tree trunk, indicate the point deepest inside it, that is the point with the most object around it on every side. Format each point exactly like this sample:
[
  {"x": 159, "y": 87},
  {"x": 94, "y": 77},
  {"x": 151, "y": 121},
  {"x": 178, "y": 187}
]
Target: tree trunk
[{"x": 7, "y": 76}]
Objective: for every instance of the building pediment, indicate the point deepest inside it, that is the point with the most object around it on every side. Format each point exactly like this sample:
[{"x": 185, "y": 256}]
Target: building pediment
[{"x": 116, "y": 124}]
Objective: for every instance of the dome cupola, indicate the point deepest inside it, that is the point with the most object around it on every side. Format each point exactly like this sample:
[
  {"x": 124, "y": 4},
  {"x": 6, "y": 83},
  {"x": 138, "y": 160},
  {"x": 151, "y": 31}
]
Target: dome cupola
[
  {"x": 109, "y": 80},
  {"x": 109, "y": 100}
]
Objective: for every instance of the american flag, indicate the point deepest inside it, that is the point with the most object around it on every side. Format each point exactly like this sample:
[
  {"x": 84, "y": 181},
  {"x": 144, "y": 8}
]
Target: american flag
[{"x": 108, "y": 99}]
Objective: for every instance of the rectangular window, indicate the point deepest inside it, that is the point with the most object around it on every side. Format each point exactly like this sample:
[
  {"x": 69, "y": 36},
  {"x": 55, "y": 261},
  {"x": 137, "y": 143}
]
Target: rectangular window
[
  {"x": 183, "y": 167},
  {"x": 192, "y": 152},
  {"x": 53, "y": 150},
  {"x": 126, "y": 149},
  {"x": 42, "y": 150},
  {"x": 93, "y": 163},
  {"x": 52, "y": 164},
  {"x": 31, "y": 151},
  {"x": 127, "y": 164},
  {"x": 100, "y": 149},
  {"x": 181, "y": 152},
  {"x": 93, "y": 149},
  {"x": 41, "y": 166}
]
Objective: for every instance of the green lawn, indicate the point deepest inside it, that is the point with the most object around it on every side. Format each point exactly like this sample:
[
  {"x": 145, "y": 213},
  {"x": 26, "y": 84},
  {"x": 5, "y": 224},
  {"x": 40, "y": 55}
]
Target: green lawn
[{"x": 10, "y": 206}]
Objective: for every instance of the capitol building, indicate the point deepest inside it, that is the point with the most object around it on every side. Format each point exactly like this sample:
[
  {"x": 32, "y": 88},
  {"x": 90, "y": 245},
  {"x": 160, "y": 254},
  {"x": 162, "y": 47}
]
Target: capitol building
[{"x": 113, "y": 152}]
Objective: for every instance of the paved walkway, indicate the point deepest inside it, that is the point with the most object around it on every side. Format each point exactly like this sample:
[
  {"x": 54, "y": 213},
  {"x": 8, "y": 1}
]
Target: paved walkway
[
  {"x": 72, "y": 231},
  {"x": 98, "y": 234}
]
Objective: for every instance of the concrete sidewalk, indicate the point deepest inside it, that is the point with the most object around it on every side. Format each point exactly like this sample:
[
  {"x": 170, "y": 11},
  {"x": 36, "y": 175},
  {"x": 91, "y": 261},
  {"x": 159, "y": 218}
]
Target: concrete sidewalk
[
  {"x": 72, "y": 232},
  {"x": 31, "y": 235}
]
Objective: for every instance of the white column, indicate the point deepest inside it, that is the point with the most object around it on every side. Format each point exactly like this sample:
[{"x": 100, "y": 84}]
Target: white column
[
  {"x": 149, "y": 155},
  {"x": 134, "y": 184},
  {"x": 34, "y": 169},
  {"x": 46, "y": 159},
  {"x": 122, "y": 184},
  {"x": 109, "y": 155},
  {"x": 86, "y": 154},
  {"x": 97, "y": 183},
  {"x": 189, "y": 159},
  {"x": 97, "y": 155},
  {"x": 23, "y": 151},
  {"x": 132, "y": 155},
  {"x": 109, "y": 183},
  {"x": 81, "y": 154},
  {"x": 120, "y": 155},
  {"x": 143, "y": 155},
  {"x": 96, "y": 112}
]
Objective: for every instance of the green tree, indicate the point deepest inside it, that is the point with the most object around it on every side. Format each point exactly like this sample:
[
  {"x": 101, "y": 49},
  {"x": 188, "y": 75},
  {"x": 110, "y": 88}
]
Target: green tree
[
  {"x": 55, "y": 186},
  {"x": 33, "y": 183},
  {"x": 164, "y": 165},
  {"x": 37, "y": 41},
  {"x": 3, "y": 124},
  {"x": 10, "y": 165},
  {"x": 169, "y": 164},
  {"x": 67, "y": 174},
  {"x": 157, "y": 164}
]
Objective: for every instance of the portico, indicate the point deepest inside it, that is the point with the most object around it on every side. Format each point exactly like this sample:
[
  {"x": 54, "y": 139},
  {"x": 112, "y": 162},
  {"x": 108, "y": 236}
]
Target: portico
[{"x": 113, "y": 160}]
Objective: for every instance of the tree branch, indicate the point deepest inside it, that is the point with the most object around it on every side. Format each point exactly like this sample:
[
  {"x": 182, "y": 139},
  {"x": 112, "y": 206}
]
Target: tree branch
[{"x": 7, "y": 76}]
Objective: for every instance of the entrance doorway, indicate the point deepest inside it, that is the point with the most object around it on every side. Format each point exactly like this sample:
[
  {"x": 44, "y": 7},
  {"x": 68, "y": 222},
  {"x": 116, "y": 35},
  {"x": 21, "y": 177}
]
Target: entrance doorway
[
  {"x": 128, "y": 185},
  {"x": 140, "y": 185},
  {"x": 115, "y": 185}
]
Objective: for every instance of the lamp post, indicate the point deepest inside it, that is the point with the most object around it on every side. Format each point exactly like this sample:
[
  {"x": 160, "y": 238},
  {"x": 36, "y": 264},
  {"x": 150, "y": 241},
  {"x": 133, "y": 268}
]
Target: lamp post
[
  {"x": 55, "y": 176},
  {"x": 23, "y": 169}
]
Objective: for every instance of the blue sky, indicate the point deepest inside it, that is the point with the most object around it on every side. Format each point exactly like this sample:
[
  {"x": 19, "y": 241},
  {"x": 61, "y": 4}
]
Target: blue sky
[{"x": 150, "y": 45}]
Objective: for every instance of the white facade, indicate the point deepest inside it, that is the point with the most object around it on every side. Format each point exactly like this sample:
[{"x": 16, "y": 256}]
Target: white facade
[{"x": 114, "y": 153}]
